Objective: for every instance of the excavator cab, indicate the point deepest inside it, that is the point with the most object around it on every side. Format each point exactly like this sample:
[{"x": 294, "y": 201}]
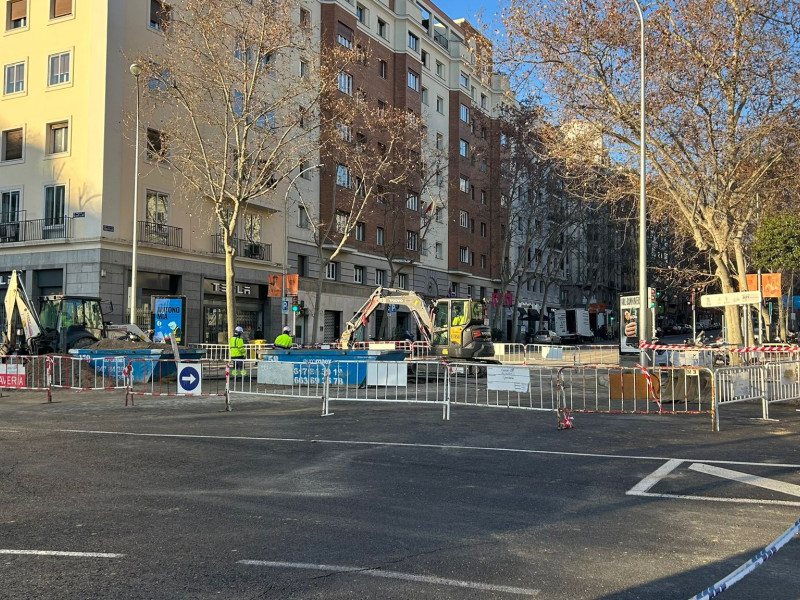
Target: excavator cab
[
  {"x": 78, "y": 321},
  {"x": 460, "y": 330}
]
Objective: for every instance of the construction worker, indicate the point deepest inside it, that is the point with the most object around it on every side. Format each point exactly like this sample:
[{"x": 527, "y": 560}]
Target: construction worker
[
  {"x": 237, "y": 352},
  {"x": 284, "y": 340}
]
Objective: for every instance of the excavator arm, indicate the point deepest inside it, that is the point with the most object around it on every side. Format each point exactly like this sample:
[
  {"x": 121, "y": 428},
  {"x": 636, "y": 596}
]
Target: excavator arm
[
  {"x": 17, "y": 303},
  {"x": 381, "y": 297}
]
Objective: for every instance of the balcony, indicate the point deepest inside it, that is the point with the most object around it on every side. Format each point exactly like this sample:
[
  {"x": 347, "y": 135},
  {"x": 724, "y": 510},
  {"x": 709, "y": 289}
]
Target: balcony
[
  {"x": 244, "y": 248},
  {"x": 163, "y": 235},
  {"x": 441, "y": 39},
  {"x": 23, "y": 230}
]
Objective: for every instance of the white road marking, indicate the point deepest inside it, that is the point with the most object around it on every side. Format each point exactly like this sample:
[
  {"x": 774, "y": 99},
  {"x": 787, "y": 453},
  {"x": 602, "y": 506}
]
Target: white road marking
[
  {"x": 642, "y": 488},
  {"x": 61, "y": 553},
  {"x": 394, "y": 575},
  {"x": 762, "y": 482},
  {"x": 409, "y": 445},
  {"x": 654, "y": 477}
]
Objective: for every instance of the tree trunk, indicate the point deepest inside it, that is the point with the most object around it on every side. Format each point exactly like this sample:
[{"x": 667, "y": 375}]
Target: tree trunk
[
  {"x": 317, "y": 304},
  {"x": 230, "y": 286}
]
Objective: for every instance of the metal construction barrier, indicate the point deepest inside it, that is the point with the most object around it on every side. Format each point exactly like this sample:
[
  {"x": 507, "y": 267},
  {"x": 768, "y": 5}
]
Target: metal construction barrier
[
  {"x": 635, "y": 390},
  {"x": 82, "y": 373},
  {"x": 275, "y": 378},
  {"x": 596, "y": 354},
  {"x": 31, "y": 373},
  {"x": 551, "y": 354},
  {"x": 168, "y": 377},
  {"x": 783, "y": 381},
  {"x": 508, "y": 353},
  {"x": 745, "y": 383}
]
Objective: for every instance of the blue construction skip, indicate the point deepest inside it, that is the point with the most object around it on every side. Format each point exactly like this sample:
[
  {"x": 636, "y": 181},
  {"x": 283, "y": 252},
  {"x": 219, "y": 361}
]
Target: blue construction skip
[{"x": 347, "y": 367}]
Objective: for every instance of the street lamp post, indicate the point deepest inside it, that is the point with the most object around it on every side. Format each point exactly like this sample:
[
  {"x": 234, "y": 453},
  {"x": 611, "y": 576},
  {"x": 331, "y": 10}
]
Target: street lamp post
[
  {"x": 136, "y": 70},
  {"x": 644, "y": 325}
]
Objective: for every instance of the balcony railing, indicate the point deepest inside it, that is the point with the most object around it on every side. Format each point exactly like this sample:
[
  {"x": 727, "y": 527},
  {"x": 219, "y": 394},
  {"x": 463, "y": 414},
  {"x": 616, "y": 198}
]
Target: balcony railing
[
  {"x": 441, "y": 39},
  {"x": 244, "y": 248},
  {"x": 156, "y": 233},
  {"x": 36, "y": 229}
]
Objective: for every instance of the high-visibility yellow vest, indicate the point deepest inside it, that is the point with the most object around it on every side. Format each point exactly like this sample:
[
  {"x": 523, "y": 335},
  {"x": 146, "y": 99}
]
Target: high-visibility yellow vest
[{"x": 237, "y": 347}]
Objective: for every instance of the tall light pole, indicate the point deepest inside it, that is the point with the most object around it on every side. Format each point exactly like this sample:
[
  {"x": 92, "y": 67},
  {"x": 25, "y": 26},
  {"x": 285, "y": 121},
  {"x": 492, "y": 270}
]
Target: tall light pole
[
  {"x": 136, "y": 70},
  {"x": 644, "y": 307}
]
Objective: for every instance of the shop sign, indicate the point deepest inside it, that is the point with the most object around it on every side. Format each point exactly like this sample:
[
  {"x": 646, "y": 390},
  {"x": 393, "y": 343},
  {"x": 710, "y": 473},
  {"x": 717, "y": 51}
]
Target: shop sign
[
  {"x": 169, "y": 314},
  {"x": 211, "y": 286}
]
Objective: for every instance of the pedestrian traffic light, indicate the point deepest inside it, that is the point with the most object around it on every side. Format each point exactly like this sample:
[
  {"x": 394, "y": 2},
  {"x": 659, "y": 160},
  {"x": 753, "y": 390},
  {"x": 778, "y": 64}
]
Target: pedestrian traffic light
[{"x": 295, "y": 304}]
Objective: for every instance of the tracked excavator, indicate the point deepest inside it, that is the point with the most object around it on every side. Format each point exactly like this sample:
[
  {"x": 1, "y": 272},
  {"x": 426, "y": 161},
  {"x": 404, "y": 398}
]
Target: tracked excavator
[{"x": 454, "y": 327}]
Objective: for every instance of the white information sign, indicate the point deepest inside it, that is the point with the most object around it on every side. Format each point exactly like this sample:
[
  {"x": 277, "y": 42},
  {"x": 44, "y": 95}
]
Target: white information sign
[
  {"x": 734, "y": 298},
  {"x": 508, "y": 379},
  {"x": 190, "y": 376}
]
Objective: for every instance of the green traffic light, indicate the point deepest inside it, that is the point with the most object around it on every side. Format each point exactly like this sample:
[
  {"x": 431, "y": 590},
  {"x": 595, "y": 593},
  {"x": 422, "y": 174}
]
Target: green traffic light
[{"x": 295, "y": 307}]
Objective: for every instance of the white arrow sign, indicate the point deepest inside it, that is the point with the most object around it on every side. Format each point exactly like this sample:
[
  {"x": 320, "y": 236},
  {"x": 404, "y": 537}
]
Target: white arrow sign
[{"x": 190, "y": 378}]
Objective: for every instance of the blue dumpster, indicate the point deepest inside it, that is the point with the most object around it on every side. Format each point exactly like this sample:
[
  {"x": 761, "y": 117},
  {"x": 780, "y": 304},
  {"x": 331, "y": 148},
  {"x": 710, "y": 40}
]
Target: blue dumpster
[{"x": 111, "y": 363}]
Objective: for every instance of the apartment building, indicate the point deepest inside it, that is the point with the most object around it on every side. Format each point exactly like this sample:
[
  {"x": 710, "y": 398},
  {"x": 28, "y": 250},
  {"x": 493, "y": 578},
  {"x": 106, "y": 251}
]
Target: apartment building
[{"x": 67, "y": 176}]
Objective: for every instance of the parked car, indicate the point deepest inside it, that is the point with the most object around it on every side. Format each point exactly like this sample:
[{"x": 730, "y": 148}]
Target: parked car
[{"x": 546, "y": 336}]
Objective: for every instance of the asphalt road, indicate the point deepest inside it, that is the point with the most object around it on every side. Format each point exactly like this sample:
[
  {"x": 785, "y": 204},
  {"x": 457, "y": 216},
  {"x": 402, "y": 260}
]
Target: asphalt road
[{"x": 174, "y": 498}]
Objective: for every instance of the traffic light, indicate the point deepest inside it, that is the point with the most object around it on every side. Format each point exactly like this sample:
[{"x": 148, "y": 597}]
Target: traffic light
[
  {"x": 295, "y": 304},
  {"x": 652, "y": 297}
]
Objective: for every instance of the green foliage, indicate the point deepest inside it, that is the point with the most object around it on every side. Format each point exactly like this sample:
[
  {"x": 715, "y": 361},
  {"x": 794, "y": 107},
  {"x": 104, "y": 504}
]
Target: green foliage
[{"x": 777, "y": 244}]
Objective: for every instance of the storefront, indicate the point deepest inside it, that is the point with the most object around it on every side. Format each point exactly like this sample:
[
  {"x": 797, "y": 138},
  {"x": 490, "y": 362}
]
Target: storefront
[{"x": 251, "y": 310}]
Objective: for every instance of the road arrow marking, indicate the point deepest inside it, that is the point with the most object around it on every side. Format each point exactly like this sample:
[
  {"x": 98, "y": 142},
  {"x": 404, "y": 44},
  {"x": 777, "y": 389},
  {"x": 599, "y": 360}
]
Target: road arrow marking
[{"x": 762, "y": 482}]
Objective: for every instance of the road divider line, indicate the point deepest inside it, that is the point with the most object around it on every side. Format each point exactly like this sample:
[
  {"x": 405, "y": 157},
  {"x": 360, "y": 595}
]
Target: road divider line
[
  {"x": 376, "y": 572},
  {"x": 60, "y": 553},
  {"x": 410, "y": 445}
]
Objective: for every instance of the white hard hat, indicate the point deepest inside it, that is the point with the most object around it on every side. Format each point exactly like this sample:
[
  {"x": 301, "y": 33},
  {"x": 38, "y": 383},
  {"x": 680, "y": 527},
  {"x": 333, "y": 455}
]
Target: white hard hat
[
  {"x": 239, "y": 330},
  {"x": 286, "y": 330}
]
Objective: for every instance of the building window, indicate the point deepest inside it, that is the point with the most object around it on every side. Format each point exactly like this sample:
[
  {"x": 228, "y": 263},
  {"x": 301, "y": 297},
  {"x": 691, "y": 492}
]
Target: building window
[
  {"x": 361, "y": 232},
  {"x": 332, "y": 271},
  {"x": 12, "y": 144},
  {"x": 9, "y": 216},
  {"x": 464, "y": 80},
  {"x": 345, "y": 132},
  {"x": 358, "y": 274},
  {"x": 305, "y": 17},
  {"x": 483, "y": 229},
  {"x": 439, "y": 141},
  {"x": 59, "y": 69},
  {"x": 306, "y": 169},
  {"x": 413, "y": 80},
  {"x": 483, "y": 261},
  {"x": 54, "y": 196},
  {"x": 453, "y": 290},
  {"x": 483, "y": 196},
  {"x": 440, "y": 215},
  {"x": 463, "y": 148},
  {"x": 440, "y": 105},
  {"x": 413, "y": 42},
  {"x": 302, "y": 265},
  {"x": 484, "y": 101},
  {"x": 361, "y": 14},
  {"x": 346, "y": 83},
  {"x": 412, "y": 241},
  {"x": 463, "y": 218},
  {"x": 464, "y": 113},
  {"x": 303, "y": 68},
  {"x": 344, "y": 36},
  {"x": 440, "y": 69},
  {"x": 156, "y": 145},
  {"x": 383, "y": 69},
  {"x": 157, "y": 207},
  {"x": 380, "y": 277},
  {"x": 342, "y": 220},
  {"x": 402, "y": 281},
  {"x": 17, "y": 14},
  {"x": 160, "y": 14},
  {"x": 424, "y": 95},
  {"x": 412, "y": 201},
  {"x": 383, "y": 29},
  {"x": 238, "y": 103},
  {"x": 425, "y": 56},
  {"x": 379, "y": 238},
  {"x": 463, "y": 184},
  {"x": 438, "y": 250},
  {"x": 463, "y": 254},
  {"x": 57, "y": 137},
  {"x": 343, "y": 176},
  {"x": 14, "y": 78},
  {"x": 470, "y": 291},
  {"x": 302, "y": 217}
]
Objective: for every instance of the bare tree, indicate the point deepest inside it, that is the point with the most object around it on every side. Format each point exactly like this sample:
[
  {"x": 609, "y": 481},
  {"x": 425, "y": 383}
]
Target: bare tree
[
  {"x": 236, "y": 86},
  {"x": 367, "y": 149},
  {"x": 722, "y": 93}
]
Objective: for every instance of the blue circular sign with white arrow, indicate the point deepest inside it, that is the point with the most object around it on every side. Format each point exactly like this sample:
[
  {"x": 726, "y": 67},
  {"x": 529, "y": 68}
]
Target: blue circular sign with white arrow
[{"x": 188, "y": 378}]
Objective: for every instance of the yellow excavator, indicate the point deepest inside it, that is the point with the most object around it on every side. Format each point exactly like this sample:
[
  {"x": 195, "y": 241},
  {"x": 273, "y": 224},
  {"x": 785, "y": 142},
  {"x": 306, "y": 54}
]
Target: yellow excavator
[
  {"x": 62, "y": 323},
  {"x": 454, "y": 327}
]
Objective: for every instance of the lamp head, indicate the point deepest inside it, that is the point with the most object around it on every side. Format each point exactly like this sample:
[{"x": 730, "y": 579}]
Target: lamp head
[{"x": 136, "y": 69}]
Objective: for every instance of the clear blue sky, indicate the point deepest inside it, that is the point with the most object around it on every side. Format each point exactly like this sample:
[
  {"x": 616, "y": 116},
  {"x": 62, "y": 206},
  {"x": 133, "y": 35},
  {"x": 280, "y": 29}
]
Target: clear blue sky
[{"x": 468, "y": 9}]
